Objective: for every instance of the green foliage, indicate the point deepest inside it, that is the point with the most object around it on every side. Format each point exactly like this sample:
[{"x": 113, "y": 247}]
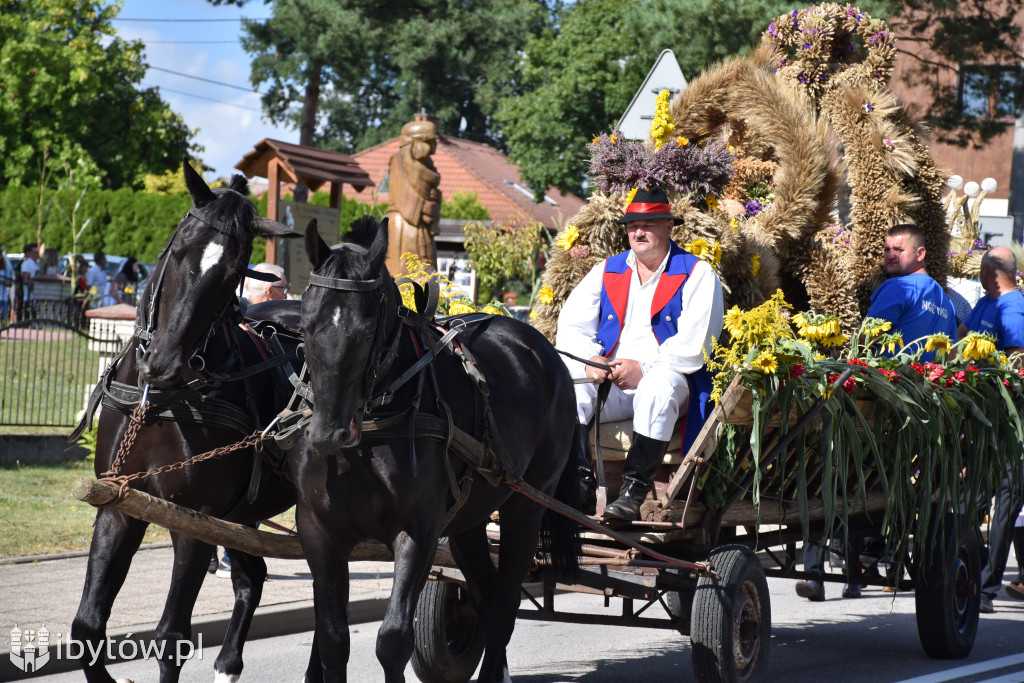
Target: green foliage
[
  {"x": 71, "y": 88},
  {"x": 500, "y": 254},
  {"x": 172, "y": 181},
  {"x": 464, "y": 206},
  {"x": 124, "y": 222},
  {"x": 444, "y": 57}
]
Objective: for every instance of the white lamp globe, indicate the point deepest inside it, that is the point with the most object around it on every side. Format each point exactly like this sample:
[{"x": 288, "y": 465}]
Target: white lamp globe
[
  {"x": 989, "y": 185},
  {"x": 972, "y": 189},
  {"x": 955, "y": 182}
]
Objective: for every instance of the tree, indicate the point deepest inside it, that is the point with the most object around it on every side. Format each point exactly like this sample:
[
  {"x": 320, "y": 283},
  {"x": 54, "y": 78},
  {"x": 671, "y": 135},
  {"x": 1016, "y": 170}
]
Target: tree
[
  {"x": 70, "y": 92},
  {"x": 375, "y": 65}
]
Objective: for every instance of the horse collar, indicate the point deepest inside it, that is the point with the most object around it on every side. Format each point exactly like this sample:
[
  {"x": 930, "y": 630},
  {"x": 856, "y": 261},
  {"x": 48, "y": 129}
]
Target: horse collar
[{"x": 344, "y": 285}]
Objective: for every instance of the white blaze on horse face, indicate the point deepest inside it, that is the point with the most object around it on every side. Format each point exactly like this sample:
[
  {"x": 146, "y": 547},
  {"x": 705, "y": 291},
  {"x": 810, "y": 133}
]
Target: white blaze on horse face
[
  {"x": 211, "y": 257},
  {"x": 336, "y": 318}
]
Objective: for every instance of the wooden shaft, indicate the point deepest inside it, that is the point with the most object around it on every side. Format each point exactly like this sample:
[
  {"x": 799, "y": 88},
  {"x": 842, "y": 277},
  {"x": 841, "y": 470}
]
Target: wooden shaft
[{"x": 214, "y": 531}]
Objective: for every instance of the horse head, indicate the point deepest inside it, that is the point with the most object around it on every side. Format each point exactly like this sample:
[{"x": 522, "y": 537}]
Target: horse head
[
  {"x": 197, "y": 274},
  {"x": 347, "y": 313}
]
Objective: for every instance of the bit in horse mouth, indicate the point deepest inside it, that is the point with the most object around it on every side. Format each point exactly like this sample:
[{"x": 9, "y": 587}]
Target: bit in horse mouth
[{"x": 355, "y": 429}]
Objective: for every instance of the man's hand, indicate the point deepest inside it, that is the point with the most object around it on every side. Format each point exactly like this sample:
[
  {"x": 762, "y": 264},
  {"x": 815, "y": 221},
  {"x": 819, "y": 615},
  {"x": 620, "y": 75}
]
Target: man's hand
[
  {"x": 597, "y": 374},
  {"x": 626, "y": 373}
]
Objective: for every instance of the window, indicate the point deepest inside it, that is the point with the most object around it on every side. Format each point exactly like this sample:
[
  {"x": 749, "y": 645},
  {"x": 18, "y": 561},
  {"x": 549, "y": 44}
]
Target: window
[{"x": 988, "y": 91}]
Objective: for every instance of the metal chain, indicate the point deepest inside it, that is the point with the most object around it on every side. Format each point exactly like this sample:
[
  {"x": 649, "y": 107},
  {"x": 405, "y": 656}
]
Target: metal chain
[
  {"x": 136, "y": 418},
  {"x": 255, "y": 440}
]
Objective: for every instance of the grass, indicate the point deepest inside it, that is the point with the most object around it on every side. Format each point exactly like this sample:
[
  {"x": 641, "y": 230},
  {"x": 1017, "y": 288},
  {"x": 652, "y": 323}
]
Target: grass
[{"x": 38, "y": 515}]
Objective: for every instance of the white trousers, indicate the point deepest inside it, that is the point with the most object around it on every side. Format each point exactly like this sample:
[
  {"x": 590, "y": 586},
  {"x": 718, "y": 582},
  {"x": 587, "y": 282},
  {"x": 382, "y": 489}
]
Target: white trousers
[{"x": 655, "y": 404}]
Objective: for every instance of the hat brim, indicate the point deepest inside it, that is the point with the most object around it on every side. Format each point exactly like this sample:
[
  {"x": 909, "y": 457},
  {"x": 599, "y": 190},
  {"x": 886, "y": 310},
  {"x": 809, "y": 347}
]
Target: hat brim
[{"x": 630, "y": 217}]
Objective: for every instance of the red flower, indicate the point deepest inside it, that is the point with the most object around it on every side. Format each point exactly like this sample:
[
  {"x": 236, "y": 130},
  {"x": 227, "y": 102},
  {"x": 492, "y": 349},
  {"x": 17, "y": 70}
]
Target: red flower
[
  {"x": 1006, "y": 383},
  {"x": 850, "y": 385},
  {"x": 950, "y": 381},
  {"x": 890, "y": 375},
  {"x": 856, "y": 361},
  {"x": 917, "y": 366},
  {"x": 971, "y": 368},
  {"x": 796, "y": 370},
  {"x": 960, "y": 376},
  {"x": 832, "y": 378}
]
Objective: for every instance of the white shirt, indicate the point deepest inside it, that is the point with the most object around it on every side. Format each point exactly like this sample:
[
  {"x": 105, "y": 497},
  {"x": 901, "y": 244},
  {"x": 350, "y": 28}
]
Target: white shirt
[
  {"x": 96, "y": 277},
  {"x": 31, "y": 267},
  {"x": 703, "y": 310}
]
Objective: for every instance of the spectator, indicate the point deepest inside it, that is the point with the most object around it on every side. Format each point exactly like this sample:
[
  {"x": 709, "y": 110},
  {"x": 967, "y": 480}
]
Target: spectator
[
  {"x": 6, "y": 287},
  {"x": 96, "y": 278},
  {"x": 81, "y": 289},
  {"x": 259, "y": 291},
  {"x": 122, "y": 287},
  {"x": 29, "y": 271}
]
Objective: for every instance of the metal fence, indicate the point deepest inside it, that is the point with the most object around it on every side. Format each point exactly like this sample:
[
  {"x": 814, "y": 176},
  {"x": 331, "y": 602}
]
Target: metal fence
[{"x": 48, "y": 365}]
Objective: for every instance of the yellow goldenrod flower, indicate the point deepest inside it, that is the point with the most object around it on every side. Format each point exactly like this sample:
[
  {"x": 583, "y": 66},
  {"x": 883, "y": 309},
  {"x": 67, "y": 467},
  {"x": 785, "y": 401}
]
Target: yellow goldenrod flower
[
  {"x": 460, "y": 308},
  {"x": 567, "y": 237},
  {"x": 662, "y": 125},
  {"x": 533, "y": 313},
  {"x": 408, "y": 300},
  {"x": 681, "y": 141},
  {"x": 613, "y": 139},
  {"x": 546, "y": 295},
  {"x": 939, "y": 343},
  {"x": 766, "y": 363},
  {"x": 755, "y": 265}
]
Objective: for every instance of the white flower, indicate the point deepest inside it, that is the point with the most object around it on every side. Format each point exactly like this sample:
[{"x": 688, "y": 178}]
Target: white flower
[
  {"x": 989, "y": 185},
  {"x": 972, "y": 189},
  {"x": 955, "y": 182}
]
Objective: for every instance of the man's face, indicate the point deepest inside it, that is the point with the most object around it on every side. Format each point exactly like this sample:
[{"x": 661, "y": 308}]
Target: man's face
[
  {"x": 902, "y": 257},
  {"x": 649, "y": 236},
  {"x": 277, "y": 291},
  {"x": 33, "y": 253}
]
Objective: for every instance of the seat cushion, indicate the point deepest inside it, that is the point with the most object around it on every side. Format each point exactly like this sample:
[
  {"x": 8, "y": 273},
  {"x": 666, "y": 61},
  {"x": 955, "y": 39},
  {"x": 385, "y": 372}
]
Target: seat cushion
[{"x": 617, "y": 437}]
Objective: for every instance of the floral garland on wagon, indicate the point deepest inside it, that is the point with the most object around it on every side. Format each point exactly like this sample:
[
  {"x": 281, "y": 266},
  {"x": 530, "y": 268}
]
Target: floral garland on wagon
[{"x": 925, "y": 431}]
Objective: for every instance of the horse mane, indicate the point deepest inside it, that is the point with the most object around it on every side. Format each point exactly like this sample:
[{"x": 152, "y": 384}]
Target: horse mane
[
  {"x": 240, "y": 184},
  {"x": 362, "y": 231}
]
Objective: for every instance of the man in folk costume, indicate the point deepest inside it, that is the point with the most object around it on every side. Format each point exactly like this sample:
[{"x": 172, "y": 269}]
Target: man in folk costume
[{"x": 650, "y": 313}]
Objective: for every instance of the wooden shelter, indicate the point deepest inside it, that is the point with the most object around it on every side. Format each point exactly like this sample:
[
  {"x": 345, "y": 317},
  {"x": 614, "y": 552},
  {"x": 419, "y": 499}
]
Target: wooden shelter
[{"x": 285, "y": 162}]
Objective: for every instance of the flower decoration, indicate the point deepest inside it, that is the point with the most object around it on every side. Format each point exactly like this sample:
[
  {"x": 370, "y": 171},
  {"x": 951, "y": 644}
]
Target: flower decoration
[
  {"x": 682, "y": 141},
  {"x": 766, "y": 362},
  {"x": 978, "y": 346},
  {"x": 662, "y": 126},
  {"x": 545, "y": 295},
  {"x": 755, "y": 264},
  {"x": 940, "y": 344},
  {"x": 461, "y": 308},
  {"x": 567, "y": 237}
]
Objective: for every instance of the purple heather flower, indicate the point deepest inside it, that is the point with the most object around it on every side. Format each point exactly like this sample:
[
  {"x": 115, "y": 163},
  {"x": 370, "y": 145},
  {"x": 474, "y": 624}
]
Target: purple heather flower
[
  {"x": 796, "y": 22},
  {"x": 774, "y": 32},
  {"x": 753, "y": 207},
  {"x": 784, "y": 62},
  {"x": 806, "y": 46},
  {"x": 849, "y": 48},
  {"x": 802, "y": 77},
  {"x": 868, "y": 107},
  {"x": 822, "y": 77}
]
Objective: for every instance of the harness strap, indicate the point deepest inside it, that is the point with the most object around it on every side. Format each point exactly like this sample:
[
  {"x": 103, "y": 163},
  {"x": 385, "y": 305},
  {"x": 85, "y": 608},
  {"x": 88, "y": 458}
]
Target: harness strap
[{"x": 385, "y": 397}]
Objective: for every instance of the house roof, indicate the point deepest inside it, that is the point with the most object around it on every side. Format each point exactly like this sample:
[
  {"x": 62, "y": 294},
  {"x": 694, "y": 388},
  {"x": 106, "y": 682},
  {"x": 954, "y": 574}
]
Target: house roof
[
  {"x": 467, "y": 166},
  {"x": 307, "y": 165}
]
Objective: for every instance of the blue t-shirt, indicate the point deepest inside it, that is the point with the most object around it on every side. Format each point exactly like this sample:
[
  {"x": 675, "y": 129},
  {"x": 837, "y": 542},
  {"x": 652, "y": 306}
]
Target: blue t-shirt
[
  {"x": 1003, "y": 317},
  {"x": 916, "y": 306}
]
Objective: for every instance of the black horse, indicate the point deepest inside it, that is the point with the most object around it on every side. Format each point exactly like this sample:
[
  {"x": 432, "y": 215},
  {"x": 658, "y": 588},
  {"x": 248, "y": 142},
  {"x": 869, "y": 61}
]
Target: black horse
[
  {"x": 402, "y": 488},
  {"x": 188, "y": 330}
]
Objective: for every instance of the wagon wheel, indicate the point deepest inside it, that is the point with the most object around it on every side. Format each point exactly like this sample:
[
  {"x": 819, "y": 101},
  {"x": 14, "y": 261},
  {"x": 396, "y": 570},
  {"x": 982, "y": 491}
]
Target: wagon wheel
[
  {"x": 449, "y": 637},
  {"x": 731, "y": 619},
  {"x": 947, "y": 592}
]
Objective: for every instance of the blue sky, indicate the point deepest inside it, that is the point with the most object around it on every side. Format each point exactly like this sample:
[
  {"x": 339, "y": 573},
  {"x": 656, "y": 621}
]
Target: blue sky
[{"x": 230, "y": 120}]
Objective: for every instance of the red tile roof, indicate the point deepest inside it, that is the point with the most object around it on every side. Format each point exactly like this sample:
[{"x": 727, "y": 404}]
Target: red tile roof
[{"x": 467, "y": 166}]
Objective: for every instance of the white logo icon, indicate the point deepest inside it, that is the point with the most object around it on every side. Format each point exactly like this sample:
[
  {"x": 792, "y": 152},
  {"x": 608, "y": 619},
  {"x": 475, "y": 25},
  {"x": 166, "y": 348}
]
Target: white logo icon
[{"x": 30, "y": 650}]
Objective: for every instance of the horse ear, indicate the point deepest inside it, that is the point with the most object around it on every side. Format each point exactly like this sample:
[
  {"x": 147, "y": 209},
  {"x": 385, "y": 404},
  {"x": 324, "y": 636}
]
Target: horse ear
[
  {"x": 316, "y": 249},
  {"x": 266, "y": 227},
  {"x": 197, "y": 187},
  {"x": 379, "y": 249}
]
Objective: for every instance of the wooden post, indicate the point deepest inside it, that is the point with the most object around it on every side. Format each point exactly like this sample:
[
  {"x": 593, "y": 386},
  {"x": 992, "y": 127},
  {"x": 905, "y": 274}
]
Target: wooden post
[{"x": 273, "y": 195}]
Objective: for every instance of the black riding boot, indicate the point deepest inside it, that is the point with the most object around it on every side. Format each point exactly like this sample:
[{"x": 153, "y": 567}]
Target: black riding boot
[
  {"x": 641, "y": 463},
  {"x": 588, "y": 485}
]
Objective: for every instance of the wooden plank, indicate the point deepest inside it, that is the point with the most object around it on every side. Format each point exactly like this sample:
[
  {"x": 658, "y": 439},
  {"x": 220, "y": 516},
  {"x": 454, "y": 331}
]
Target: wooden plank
[
  {"x": 706, "y": 440},
  {"x": 743, "y": 512},
  {"x": 214, "y": 531}
]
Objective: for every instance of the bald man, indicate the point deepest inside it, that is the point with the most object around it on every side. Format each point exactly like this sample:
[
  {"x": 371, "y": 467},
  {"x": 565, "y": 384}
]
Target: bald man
[{"x": 1000, "y": 313}]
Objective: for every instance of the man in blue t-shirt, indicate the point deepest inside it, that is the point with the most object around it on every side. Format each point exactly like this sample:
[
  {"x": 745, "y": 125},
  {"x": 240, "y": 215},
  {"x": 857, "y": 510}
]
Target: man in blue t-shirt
[
  {"x": 910, "y": 299},
  {"x": 1000, "y": 313}
]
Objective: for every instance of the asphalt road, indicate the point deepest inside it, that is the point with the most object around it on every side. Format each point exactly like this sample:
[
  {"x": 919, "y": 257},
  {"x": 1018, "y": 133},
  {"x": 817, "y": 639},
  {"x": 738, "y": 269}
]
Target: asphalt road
[{"x": 871, "y": 639}]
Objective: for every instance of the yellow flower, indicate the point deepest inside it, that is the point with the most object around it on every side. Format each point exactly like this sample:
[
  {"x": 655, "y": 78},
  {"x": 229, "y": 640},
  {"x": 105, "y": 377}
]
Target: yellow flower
[
  {"x": 884, "y": 327},
  {"x": 566, "y": 238},
  {"x": 533, "y": 313},
  {"x": 662, "y": 126},
  {"x": 734, "y": 321},
  {"x": 835, "y": 340},
  {"x": 712, "y": 202},
  {"x": 546, "y": 295},
  {"x": 938, "y": 342},
  {"x": 800, "y": 321},
  {"x": 408, "y": 300},
  {"x": 493, "y": 310},
  {"x": 716, "y": 252},
  {"x": 460, "y": 308},
  {"x": 613, "y": 139},
  {"x": 978, "y": 346},
  {"x": 699, "y": 247},
  {"x": 1003, "y": 360},
  {"x": 890, "y": 347},
  {"x": 595, "y": 141},
  {"x": 629, "y": 197},
  {"x": 766, "y": 363},
  {"x": 681, "y": 141},
  {"x": 734, "y": 223},
  {"x": 755, "y": 264},
  {"x": 732, "y": 150}
]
